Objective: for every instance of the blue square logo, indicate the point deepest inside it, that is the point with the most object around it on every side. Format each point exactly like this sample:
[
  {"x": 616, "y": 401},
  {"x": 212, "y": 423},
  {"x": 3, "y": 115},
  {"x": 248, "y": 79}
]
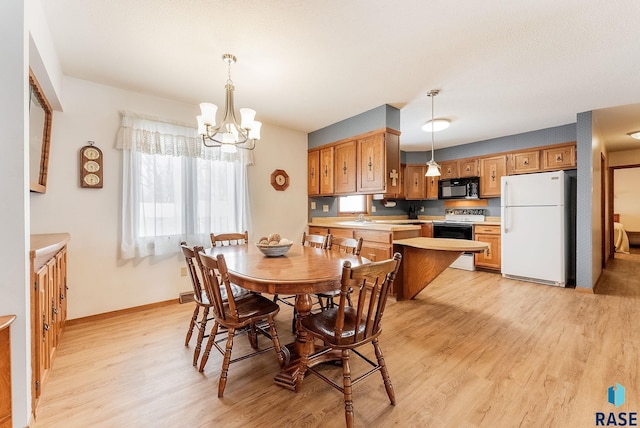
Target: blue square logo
[{"x": 616, "y": 395}]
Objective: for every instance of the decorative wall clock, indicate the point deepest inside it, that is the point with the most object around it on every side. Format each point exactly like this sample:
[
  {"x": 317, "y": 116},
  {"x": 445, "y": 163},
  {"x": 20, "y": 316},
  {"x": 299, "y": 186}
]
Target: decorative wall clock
[
  {"x": 279, "y": 179},
  {"x": 91, "y": 167}
]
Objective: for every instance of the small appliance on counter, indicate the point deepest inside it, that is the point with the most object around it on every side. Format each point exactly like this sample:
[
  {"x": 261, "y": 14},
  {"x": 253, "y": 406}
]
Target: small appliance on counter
[{"x": 413, "y": 212}]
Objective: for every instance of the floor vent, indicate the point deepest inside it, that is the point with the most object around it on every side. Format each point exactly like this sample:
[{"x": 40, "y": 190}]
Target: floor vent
[{"x": 186, "y": 297}]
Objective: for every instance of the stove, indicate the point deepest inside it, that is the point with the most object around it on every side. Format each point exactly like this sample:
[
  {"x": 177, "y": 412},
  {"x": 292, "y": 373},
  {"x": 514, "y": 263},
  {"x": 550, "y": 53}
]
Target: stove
[{"x": 457, "y": 224}]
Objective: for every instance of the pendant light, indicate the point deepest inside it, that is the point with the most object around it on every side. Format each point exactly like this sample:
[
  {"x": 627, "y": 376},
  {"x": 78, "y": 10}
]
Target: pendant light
[{"x": 433, "y": 167}]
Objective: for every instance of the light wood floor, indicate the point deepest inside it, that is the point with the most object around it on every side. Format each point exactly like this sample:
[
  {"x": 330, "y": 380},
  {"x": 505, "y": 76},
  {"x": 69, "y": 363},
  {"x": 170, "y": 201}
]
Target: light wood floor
[{"x": 473, "y": 349}]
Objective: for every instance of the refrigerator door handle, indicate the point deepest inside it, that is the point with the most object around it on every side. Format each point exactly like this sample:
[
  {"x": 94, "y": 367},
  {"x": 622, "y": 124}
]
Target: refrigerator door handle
[{"x": 505, "y": 199}]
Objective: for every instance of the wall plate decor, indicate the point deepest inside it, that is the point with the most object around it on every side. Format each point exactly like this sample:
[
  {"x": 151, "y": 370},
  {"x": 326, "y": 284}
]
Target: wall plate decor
[
  {"x": 279, "y": 179},
  {"x": 91, "y": 167}
]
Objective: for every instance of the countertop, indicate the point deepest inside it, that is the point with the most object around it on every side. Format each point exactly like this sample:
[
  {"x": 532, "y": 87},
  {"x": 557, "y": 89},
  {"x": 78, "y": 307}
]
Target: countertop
[
  {"x": 44, "y": 246},
  {"x": 387, "y": 223}
]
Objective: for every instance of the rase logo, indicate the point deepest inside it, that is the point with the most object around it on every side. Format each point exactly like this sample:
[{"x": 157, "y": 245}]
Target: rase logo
[{"x": 616, "y": 396}]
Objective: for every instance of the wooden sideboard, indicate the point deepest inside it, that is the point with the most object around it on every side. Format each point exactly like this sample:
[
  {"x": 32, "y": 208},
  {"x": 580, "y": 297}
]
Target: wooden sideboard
[
  {"x": 5, "y": 370},
  {"x": 48, "y": 304}
]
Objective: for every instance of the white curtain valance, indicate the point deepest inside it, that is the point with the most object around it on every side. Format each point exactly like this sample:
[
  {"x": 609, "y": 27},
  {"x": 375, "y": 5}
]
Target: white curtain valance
[{"x": 151, "y": 135}]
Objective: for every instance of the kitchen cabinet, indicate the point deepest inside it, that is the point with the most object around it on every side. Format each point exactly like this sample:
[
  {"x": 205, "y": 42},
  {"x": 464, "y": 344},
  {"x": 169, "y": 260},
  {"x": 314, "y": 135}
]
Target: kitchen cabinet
[
  {"x": 432, "y": 187},
  {"x": 5, "y": 370},
  {"x": 556, "y": 158},
  {"x": 469, "y": 168},
  {"x": 379, "y": 163},
  {"x": 449, "y": 169},
  {"x": 524, "y": 162},
  {"x": 426, "y": 230},
  {"x": 491, "y": 258},
  {"x": 313, "y": 172},
  {"x": 491, "y": 171},
  {"x": 48, "y": 304},
  {"x": 345, "y": 168},
  {"x": 415, "y": 182},
  {"x": 326, "y": 171}
]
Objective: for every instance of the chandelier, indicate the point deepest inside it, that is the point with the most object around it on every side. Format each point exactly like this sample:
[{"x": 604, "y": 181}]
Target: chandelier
[
  {"x": 433, "y": 167},
  {"x": 228, "y": 135}
]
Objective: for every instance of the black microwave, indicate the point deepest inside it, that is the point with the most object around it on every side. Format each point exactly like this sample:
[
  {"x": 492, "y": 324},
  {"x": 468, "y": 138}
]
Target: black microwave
[{"x": 459, "y": 188}]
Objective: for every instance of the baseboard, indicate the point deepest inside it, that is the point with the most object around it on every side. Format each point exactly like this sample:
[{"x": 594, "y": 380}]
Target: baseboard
[{"x": 120, "y": 312}]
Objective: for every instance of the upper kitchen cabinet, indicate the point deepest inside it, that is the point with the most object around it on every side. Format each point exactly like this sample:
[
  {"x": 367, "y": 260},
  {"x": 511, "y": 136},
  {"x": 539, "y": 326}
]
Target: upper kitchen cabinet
[
  {"x": 367, "y": 163},
  {"x": 432, "y": 187},
  {"x": 379, "y": 163},
  {"x": 524, "y": 162},
  {"x": 326, "y": 171},
  {"x": 469, "y": 168},
  {"x": 345, "y": 168},
  {"x": 491, "y": 171},
  {"x": 313, "y": 172},
  {"x": 562, "y": 157},
  {"x": 320, "y": 172},
  {"x": 449, "y": 169},
  {"x": 415, "y": 182}
]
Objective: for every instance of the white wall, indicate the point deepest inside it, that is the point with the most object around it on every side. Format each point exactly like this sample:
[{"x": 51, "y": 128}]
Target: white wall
[
  {"x": 625, "y": 197},
  {"x": 98, "y": 281},
  {"x": 14, "y": 226}
]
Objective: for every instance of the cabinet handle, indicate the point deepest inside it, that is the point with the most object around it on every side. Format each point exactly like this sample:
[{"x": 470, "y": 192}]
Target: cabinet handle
[
  {"x": 313, "y": 173},
  {"x": 493, "y": 175},
  {"x": 369, "y": 164},
  {"x": 54, "y": 311},
  {"x": 559, "y": 157},
  {"x": 326, "y": 170},
  {"x": 526, "y": 161},
  {"x": 45, "y": 327},
  {"x": 61, "y": 296},
  {"x": 344, "y": 168}
]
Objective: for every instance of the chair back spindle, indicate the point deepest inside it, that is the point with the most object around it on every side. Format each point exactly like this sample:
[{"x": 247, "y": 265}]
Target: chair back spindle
[
  {"x": 316, "y": 241},
  {"x": 226, "y": 239}
]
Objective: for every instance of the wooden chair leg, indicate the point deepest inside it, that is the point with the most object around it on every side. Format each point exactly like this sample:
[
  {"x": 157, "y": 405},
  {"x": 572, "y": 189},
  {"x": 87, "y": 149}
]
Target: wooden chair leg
[
  {"x": 385, "y": 373},
  {"x": 346, "y": 381},
  {"x": 192, "y": 324},
  {"x": 207, "y": 350},
  {"x": 203, "y": 326},
  {"x": 253, "y": 336},
  {"x": 225, "y": 364},
  {"x": 276, "y": 342}
]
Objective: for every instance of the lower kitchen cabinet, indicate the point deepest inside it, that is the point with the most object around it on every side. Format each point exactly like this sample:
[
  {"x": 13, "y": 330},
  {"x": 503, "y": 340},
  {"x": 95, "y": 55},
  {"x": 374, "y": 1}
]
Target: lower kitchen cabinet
[
  {"x": 491, "y": 258},
  {"x": 48, "y": 304}
]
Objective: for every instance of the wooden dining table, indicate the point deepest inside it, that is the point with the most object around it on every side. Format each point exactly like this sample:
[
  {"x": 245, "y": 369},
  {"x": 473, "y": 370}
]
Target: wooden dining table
[{"x": 302, "y": 271}]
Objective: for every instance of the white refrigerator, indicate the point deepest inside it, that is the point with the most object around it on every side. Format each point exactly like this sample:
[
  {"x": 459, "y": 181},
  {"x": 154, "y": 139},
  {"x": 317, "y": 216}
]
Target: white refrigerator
[{"x": 535, "y": 229}]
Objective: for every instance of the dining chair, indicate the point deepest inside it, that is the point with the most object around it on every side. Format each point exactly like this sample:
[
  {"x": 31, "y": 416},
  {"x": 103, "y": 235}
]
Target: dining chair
[
  {"x": 224, "y": 239},
  {"x": 201, "y": 300},
  {"x": 345, "y": 328},
  {"x": 315, "y": 241},
  {"x": 242, "y": 315},
  {"x": 340, "y": 245}
]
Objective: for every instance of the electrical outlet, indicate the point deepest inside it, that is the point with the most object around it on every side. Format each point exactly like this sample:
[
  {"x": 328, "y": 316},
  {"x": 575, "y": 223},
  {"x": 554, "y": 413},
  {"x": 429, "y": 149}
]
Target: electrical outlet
[
  {"x": 421, "y": 209},
  {"x": 183, "y": 271},
  {"x": 313, "y": 205},
  {"x": 373, "y": 208},
  {"x": 325, "y": 208}
]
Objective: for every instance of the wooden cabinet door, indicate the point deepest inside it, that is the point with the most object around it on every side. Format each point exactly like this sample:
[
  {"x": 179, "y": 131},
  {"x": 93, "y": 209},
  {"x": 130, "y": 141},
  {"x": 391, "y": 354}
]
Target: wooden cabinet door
[
  {"x": 345, "y": 168},
  {"x": 469, "y": 168},
  {"x": 371, "y": 164},
  {"x": 426, "y": 230},
  {"x": 491, "y": 258},
  {"x": 313, "y": 173},
  {"x": 61, "y": 292},
  {"x": 432, "y": 187},
  {"x": 524, "y": 162},
  {"x": 449, "y": 169},
  {"x": 558, "y": 158},
  {"x": 415, "y": 182},
  {"x": 491, "y": 171},
  {"x": 326, "y": 171}
]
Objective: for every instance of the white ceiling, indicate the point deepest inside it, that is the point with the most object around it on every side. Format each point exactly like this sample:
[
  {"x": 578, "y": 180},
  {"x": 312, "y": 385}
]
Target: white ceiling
[{"x": 503, "y": 67}]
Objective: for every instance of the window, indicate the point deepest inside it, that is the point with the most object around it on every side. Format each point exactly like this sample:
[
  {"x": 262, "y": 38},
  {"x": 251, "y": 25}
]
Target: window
[
  {"x": 354, "y": 204},
  {"x": 175, "y": 189}
]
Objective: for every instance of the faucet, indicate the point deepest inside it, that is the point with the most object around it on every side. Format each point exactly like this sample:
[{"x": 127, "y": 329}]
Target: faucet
[{"x": 361, "y": 218}]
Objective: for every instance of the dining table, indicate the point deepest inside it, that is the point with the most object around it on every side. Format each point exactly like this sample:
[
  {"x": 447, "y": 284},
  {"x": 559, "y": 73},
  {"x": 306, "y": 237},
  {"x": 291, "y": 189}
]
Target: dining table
[{"x": 303, "y": 271}]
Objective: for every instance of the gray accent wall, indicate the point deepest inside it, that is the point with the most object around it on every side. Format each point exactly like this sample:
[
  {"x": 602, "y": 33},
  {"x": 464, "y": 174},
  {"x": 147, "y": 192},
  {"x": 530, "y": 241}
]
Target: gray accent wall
[
  {"x": 384, "y": 116},
  {"x": 584, "y": 247}
]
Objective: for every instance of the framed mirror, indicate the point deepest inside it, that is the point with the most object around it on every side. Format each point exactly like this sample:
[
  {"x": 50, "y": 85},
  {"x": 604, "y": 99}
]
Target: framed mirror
[{"x": 40, "y": 115}]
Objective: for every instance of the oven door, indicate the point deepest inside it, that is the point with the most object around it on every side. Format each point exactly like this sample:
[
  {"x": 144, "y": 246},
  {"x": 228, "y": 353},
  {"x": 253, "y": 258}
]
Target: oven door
[{"x": 452, "y": 230}]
